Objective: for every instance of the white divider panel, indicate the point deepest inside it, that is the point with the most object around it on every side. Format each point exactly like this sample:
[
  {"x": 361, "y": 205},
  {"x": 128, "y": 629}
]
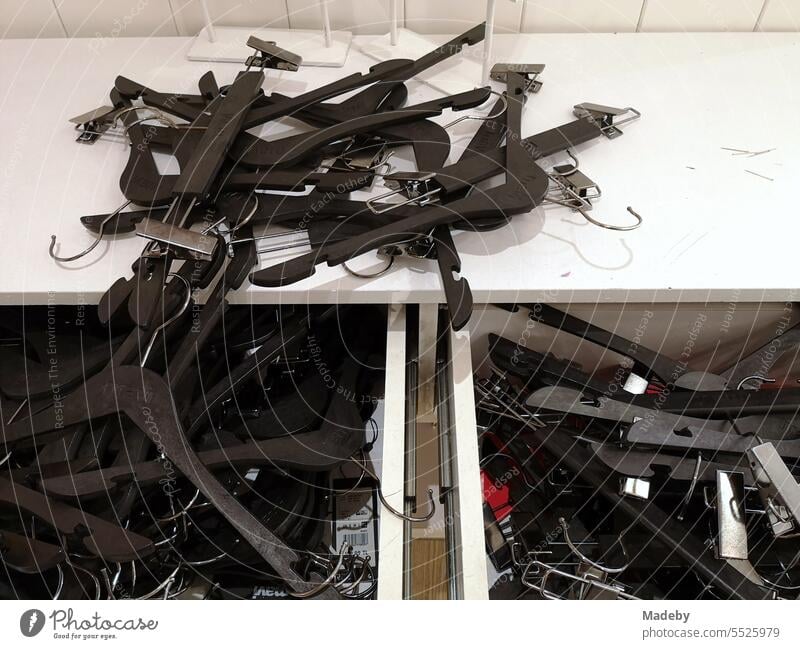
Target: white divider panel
[
  {"x": 390, "y": 527},
  {"x": 466, "y": 472}
]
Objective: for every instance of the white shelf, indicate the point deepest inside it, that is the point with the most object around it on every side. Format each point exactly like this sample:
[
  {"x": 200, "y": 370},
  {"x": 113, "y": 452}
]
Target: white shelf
[{"x": 712, "y": 231}]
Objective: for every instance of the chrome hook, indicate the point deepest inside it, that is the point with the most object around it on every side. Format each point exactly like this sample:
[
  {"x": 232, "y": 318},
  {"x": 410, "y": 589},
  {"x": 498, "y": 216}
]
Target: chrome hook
[
  {"x": 94, "y": 243},
  {"x": 609, "y": 226},
  {"x": 60, "y": 586},
  {"x": 754, "y": 377},
  {"x": 316, "y": 590},
  {"x": 411, "y": 519},
  {"x": 170, "y": 320},
  {"x": 390, "y": 251},
  {"x": 92, "y": 576},
  {"x": 240, "y": 224},
  {"x": 163, "y": 585},
  {"x": 584, "y": 559},
  {"x": 503, "y": 99}
]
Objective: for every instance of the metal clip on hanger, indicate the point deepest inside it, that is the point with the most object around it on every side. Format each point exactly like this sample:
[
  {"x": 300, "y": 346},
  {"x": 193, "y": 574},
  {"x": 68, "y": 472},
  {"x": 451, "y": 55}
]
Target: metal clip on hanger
[
  {"x": 579, "y": 191},
  {"x": 413, "y": 184},
  {"x": 100, "y": 122},
  {"x": 530, "y": 71},
  {"x": 777, "y": 487},
  {"x": 269, "y": 55},
  {"x": 607, "y": 117},
  {"x": 94, "y": 123}
]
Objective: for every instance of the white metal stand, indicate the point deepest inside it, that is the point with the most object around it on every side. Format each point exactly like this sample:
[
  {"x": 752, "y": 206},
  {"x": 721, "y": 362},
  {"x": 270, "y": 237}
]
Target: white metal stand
[
  {"x": 404, "y": 43},
  {"x": 322, "y": 49}
]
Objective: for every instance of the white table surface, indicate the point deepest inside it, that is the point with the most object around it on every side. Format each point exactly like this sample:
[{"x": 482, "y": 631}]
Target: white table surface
[{"x": 712, "y": 231}]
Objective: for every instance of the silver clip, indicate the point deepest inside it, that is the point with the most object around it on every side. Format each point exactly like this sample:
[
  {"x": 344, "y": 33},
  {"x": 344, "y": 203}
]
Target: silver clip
[
  {"x": 578, "y": 191},
  {"x": 777, "y": 487},
  {"x": 634, "y": 487},
  {"x": 104, "y": 120},
  {"x": 732, "y": 531},
  {"x": 530, "y": 71},
  {"x": 416, "y": 185},
  {"x": 269, "y": 55},
  {"x": 94, "y": 123},
  {"x": 604, "y": 117},
  {"x": 196, "y": 244}
]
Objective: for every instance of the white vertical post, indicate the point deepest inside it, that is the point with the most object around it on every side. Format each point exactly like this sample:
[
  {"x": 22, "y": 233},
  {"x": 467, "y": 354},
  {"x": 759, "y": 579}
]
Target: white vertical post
[
  {"x": 212, "y": 35},
  {"x": 488, "y": 40},
  {"x": 326, "y": 23},
  {"x": 393, "y": 12},
  {"x": 390, "y": 528},
  {"x": 466, "y": 471}
]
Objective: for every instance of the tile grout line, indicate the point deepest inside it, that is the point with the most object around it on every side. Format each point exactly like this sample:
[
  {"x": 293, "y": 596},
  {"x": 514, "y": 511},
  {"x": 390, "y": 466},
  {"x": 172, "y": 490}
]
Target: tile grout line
[
  {"x": 60, "y": 19},
  {"x": 641, "y": 16},
  {"x": 757, "y": 26},
  {"x": 174, "y": 18},
  {"x": 288, "y": 15}
]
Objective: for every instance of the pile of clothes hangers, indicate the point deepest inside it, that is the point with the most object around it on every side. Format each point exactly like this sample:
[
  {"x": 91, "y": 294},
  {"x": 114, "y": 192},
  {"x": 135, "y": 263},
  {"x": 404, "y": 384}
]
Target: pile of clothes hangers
[
  {"x": 650, "y": 481},
  {"x": 166, "y": 441},
  {"x": 232, "y": 181},
  {"x": 144, "y": 461}
]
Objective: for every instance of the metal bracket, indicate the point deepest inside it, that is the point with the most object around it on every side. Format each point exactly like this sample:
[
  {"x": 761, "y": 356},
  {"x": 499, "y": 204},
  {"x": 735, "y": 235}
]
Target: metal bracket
[
  {"x": 604, "y": 116},
  {"x": 530, "y": 71},
  {"x": 269, "y": 55}
]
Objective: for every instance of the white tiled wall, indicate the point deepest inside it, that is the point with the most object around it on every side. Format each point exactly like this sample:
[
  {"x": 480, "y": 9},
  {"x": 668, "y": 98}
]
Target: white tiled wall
[{"x": 59, "y": 18}]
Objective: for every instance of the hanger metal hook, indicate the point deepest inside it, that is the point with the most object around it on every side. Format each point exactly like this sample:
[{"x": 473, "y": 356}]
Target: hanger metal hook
[
  {"x": 316, "y": 590},
  {"x": 93, "y": 244},
  {"x": 692, "y": 486},
  {"x": 240, "y": 224},
  {"x": 183, "y": 511},
  {"x": 754, "y": 377},
  {"x": 503, "y": 99},
  {"x": 576, "y": 551},
  {"x": 609, "y": 226},
  {"x": 92, "y": 576},
  {"x": 172, "y": 319},
  {"x": 392, "y": 510},
  {"x": 379, "y": 272},
  {"x": 575, "y": 164},
  {"x": 163, "y": 585},
  {"x": 60, "y": 586}
]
